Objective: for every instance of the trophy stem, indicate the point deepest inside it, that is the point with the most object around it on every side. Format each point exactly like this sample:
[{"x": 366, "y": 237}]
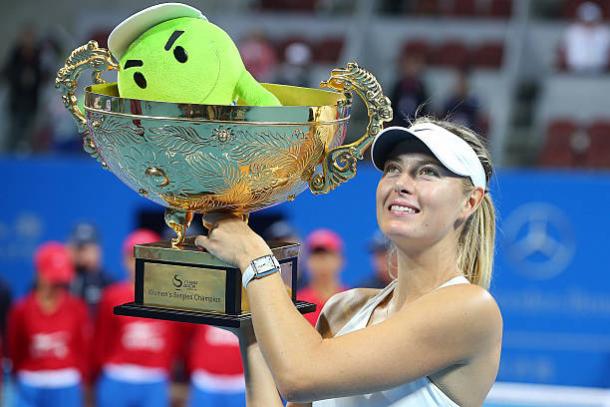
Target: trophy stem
[{"x": 178, "y": 221}]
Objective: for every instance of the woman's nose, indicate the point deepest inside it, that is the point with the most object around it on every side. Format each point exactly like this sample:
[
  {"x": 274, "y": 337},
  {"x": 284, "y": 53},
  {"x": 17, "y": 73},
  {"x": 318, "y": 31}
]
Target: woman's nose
[{"x": 404, "y": 184}]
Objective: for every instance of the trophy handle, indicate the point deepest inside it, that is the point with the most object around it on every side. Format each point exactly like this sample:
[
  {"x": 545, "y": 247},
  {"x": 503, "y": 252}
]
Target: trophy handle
[
  {"x": 88, "y": 56},
  {"x": 339, "y": 164},
  {"x": 179, "y": 221}
]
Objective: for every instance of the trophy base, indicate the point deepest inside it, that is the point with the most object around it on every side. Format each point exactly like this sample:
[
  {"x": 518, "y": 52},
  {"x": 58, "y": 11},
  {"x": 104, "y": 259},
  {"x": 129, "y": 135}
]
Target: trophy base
[
  {"x": 196, "y": 317},
  {"x": 188, "y": 284}
]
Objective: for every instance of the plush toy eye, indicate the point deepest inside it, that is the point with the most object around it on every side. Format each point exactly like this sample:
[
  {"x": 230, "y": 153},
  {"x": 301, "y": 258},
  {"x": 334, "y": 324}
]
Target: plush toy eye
[
  {"x": 180, "y": 54},
  {"x": 140, "y": 80}
]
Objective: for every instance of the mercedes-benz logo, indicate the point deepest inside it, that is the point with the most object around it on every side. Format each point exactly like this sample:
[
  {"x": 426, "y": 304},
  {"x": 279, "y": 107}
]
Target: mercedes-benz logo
[{"x": 539, "y": 240}]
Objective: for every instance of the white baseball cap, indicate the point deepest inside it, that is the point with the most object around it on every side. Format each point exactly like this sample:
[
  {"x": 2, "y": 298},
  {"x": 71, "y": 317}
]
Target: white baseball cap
[
  {"x": 131, "y": 28},
  {"x": 452, "y": 151}
]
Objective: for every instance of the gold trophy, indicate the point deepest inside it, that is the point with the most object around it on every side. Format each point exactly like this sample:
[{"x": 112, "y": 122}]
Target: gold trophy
[{"x": 204, "y": 158}]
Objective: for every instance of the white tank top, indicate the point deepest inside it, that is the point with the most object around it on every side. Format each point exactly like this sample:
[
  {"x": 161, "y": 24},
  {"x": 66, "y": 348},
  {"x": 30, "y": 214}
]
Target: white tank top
[{"x": 418, "y": 393}]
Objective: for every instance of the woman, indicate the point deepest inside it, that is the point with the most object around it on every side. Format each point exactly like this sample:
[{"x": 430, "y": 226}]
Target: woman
[
  {"x": 134, "y": 356},
  {"x": 49, "y": 335},
  {"x": 430, "y": 338}
]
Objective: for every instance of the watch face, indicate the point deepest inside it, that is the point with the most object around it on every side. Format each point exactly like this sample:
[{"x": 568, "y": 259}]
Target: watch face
[{"x": 264, "y": 264}]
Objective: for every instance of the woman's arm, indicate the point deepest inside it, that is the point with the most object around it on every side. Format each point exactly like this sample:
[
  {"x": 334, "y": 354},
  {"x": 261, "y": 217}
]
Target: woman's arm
[
  {"x": 444, "y": 328},
  {"x": 260, "y": 387}
]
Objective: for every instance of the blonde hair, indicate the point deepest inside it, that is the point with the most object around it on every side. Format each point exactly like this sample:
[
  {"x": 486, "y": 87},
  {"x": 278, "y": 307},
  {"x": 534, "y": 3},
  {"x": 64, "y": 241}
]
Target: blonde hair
[{"x": 476, "y": 243}]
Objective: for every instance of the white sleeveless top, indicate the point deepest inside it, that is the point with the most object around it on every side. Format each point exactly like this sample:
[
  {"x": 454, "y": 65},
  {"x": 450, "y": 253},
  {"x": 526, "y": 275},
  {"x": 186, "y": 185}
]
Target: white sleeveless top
[{"x": 418, "y": 393}]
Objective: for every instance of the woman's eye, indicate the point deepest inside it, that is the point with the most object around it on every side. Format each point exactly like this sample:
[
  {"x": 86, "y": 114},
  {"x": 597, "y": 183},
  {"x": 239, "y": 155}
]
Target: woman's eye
[
  {"x": 428, "y": 171},
  {"x": 390, "y": 169}
]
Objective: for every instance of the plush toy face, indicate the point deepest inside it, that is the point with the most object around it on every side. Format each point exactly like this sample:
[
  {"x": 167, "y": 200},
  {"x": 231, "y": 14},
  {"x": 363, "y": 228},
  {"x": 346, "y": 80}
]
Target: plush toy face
[{"x": 184, "y": 60}]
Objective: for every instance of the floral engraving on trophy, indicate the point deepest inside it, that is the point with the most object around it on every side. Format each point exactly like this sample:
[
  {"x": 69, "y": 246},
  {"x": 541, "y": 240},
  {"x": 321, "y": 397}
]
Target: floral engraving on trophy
[
  {"x": 223, "y": 134},
  {"x": 298, "y": 134}
]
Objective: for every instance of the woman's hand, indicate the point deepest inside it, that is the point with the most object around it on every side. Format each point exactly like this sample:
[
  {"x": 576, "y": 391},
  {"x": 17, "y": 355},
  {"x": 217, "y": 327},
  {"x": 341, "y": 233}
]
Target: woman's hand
[{"x": 231, "y": 240}]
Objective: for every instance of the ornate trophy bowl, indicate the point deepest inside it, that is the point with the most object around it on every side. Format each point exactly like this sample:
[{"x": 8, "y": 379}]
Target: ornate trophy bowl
[{"x": 204, "y": 158}]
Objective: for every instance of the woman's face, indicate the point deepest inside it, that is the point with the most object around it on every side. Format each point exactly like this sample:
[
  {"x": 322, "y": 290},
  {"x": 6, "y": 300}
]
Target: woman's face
[{"x": 419, "y": 201}]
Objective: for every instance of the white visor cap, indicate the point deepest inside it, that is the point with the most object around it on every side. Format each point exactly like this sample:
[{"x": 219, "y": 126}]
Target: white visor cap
[
  {"x": 131, "y": 28},
  {"x": 452, "y": 151}
]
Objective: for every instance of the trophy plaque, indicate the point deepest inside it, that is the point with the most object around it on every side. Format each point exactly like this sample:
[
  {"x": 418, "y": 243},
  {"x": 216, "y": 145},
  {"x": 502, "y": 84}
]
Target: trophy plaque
[{"x": 206, "y": 158}]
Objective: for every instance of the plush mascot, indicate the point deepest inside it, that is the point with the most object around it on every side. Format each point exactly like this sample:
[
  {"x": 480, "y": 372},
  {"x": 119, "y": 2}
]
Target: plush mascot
[{"x": 171, "y": 53}]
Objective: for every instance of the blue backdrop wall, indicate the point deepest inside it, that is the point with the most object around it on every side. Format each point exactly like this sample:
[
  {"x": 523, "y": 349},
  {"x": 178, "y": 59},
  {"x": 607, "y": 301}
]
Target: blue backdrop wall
[{"x": 553, "y": 252}]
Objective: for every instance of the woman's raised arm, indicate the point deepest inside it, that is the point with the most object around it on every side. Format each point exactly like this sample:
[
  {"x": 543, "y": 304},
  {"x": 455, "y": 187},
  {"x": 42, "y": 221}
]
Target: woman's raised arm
[{"x": 441, "y": 329}]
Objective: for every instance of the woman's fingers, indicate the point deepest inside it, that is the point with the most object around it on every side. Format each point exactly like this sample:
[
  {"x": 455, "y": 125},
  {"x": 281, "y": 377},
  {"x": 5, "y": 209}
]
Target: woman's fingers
[
  {"x": 231, "y": 240},
  {"x": 201, "y": 241}
]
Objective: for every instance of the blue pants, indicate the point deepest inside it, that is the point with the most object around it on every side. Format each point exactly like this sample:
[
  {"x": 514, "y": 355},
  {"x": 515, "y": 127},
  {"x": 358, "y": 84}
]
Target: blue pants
[
  {"x": 115, "y": 393},
  {"x": 201, "y": 398},
  {"x": 29, "y": 396}
]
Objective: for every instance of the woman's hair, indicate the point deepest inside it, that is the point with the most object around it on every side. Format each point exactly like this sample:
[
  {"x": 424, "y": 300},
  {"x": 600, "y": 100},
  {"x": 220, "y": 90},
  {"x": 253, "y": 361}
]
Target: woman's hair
[{"x": 477, "y": 240}]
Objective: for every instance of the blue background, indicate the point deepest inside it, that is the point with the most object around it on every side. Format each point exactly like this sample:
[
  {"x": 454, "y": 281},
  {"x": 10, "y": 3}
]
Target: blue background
[{"x": 554, "y": 297}]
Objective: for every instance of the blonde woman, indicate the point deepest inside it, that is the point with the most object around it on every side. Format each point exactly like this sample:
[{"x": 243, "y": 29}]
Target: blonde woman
[{"x": 433, "y": 336}]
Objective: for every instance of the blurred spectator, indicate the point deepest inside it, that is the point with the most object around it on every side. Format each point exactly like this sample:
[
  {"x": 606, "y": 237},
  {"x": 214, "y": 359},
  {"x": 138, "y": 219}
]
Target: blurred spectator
[
  {"x": 217, "y": 376},
  {"x": 296, "y": 69},
  {"x": 24, "y": 74},
  {"x": 65, "y": 135},
  {"x": 378, "y": 247},
  {"x": 49, "y": 335},
  {"x": 462, "y": 107},
  {"x": 409, "y": 95},
  {"x": 90, "y": 277},
  {"x": 259, "y": 56},
  {"x": 133, "y": 355},
  {"x": 587, "y": 41},
  {"x": 283, "y": 231},
  {"x": 324, "y": 263},
  {"x": 57, "y": 129}
]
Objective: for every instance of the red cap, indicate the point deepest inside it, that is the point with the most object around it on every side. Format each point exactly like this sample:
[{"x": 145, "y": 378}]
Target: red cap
[
  {"x": 54, "y": 263},
  {"x": 324, "y": 239},
  {"x": 139, "y": 236}
]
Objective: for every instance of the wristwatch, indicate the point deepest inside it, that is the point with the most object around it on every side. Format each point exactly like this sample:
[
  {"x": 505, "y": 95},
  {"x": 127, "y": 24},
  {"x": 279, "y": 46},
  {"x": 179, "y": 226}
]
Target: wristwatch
[{"x": 259, "y": 268}]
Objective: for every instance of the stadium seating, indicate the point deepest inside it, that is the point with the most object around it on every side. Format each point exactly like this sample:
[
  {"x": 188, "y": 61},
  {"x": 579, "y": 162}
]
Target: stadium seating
[
  {"x": 456, "y": 54},
  {"x": 598, "y": 155},
  {"x": 558, "y": 150},
  {"x": 328, "y": 50},
  {"x": 488, "y": 55}
]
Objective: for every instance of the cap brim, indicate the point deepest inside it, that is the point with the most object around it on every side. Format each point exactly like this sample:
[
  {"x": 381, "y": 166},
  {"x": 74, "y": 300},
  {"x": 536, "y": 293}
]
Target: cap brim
[
  {"x": 452, "y": 152},
  {"x": 131, "y": 28},
  {"x": 386, "y": 141}
]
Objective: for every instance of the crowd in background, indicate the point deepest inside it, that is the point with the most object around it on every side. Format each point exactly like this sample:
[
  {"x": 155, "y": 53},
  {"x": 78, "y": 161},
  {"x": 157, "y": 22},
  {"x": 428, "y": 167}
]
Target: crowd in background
[
  {"x": 64, "y": 346},
  {"x": 37, "y": 121}
]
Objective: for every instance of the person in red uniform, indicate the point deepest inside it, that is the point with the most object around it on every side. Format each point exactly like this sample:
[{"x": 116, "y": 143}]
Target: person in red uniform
[
  {"x": 324, "y": 263},
  {"x": 49, "y": 334},
  {"x": 217, "y": 375},
  {"x": 134, "y": 356}
]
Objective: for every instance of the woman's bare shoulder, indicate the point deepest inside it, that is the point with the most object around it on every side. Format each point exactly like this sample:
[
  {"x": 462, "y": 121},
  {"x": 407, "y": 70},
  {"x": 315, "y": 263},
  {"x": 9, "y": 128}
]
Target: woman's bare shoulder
[{"x": 340, "y": 308}]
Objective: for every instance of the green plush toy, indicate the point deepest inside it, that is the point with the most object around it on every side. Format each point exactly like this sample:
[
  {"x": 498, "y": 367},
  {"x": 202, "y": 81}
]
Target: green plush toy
[{"x": 171, "y": 53}]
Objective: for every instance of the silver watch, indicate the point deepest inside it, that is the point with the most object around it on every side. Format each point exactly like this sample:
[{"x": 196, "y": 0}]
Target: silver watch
[{"x": 259, "y": 268}]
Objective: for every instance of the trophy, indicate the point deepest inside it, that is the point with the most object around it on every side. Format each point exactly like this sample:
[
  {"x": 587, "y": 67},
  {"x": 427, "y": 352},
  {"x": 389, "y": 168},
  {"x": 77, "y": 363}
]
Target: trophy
[{"x": 203, "y": 158}]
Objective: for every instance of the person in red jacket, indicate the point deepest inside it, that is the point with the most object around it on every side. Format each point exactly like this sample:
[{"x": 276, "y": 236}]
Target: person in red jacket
[
  {"x": 133, "y": 356},
  {"x": 217, "y": 375},
  {"x": 324, "y": 263},
  {"x": 49, "y": 334}
]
